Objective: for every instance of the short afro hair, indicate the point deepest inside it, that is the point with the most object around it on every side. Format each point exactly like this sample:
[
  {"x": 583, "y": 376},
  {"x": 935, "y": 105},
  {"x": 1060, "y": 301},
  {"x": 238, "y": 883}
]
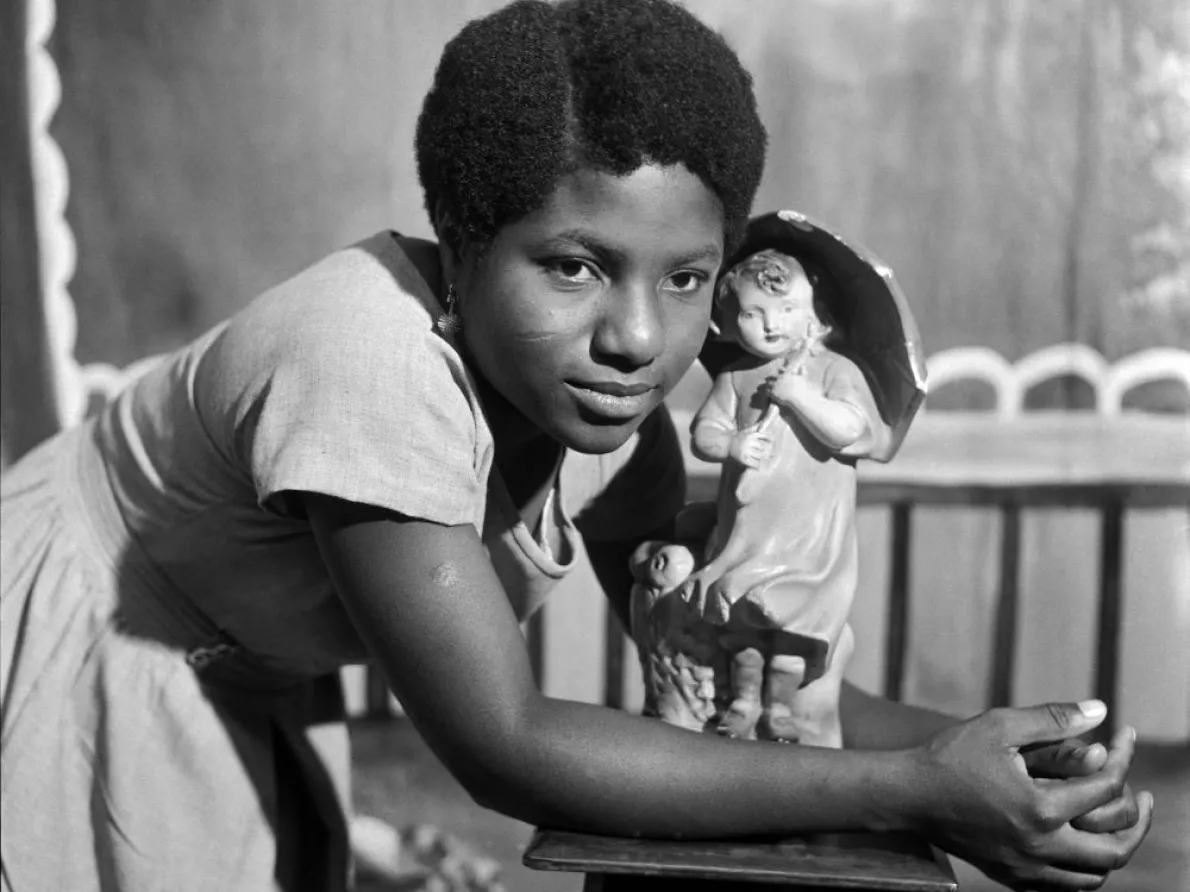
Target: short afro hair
[{"x": 536, "y": 90}]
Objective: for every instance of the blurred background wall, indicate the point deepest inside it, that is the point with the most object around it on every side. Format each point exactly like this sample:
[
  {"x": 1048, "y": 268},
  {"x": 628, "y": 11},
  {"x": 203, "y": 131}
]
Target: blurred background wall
[{"x": 1022, "y": 166}]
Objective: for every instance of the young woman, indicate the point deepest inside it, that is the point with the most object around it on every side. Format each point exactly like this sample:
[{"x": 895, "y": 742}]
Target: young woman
[{"x": 395, "y": 454}]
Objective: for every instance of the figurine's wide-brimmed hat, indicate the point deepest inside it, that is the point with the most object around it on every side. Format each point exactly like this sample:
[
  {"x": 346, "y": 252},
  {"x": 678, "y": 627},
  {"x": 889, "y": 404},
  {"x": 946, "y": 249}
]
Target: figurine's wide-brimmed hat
[{"x": 878, "y": 332}]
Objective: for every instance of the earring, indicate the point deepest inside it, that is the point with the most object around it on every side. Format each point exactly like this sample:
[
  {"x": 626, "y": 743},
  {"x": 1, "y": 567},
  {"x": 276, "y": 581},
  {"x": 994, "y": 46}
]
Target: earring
[{"x": 450, "y": 323}]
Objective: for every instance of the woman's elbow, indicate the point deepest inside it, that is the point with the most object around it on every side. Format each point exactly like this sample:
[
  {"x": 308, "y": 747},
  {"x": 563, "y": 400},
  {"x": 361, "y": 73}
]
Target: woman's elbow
[{"x": 495, "y": 768}]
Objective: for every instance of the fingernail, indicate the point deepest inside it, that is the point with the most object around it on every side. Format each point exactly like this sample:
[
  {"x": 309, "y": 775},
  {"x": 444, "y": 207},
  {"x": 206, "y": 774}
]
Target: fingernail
[{"x": 1093, "y": 709}]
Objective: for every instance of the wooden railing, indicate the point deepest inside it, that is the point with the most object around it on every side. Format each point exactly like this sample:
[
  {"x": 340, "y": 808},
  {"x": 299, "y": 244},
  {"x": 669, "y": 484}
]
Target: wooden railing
[{"x": 1055, "y": 460}]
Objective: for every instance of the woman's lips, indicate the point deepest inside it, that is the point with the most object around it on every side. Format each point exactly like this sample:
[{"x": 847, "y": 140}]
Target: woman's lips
[{"x": 613, "y": 400}]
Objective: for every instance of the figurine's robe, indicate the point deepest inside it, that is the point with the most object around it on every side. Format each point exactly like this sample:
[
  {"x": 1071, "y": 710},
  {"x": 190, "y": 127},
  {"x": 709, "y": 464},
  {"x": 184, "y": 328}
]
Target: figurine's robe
[{"x": 783, "y": 554}]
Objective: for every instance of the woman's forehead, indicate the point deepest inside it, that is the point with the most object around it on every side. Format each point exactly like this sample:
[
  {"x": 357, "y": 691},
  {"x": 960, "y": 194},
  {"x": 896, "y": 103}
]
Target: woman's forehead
[{"x": 661, "y": 210}]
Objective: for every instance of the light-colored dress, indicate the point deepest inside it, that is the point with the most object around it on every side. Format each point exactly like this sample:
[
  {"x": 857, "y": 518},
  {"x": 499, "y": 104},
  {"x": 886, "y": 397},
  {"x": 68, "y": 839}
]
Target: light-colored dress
[
  {"x": 166, "y": 618},
  {"x": 784, "y": 551}
]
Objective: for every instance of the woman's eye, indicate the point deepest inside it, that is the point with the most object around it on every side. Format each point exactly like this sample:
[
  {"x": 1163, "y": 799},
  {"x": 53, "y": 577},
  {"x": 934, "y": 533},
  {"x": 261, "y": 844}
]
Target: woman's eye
[
  {"x": 572, "y": 270},
  {"x": 685, "y": 282}
]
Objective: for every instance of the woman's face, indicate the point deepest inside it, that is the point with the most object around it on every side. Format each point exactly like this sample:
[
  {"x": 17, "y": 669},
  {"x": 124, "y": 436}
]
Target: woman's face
[{"x": 585, "y": 313}]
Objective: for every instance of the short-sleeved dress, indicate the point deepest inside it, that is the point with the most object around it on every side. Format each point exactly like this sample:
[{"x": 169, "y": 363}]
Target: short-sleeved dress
[{"x": 166, "y": 616}]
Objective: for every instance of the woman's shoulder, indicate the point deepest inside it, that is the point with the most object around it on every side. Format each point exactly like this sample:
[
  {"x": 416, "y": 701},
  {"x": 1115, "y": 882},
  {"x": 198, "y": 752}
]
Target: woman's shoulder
[
  {"x": 354, "y": 333},
  {"x": 351, "y": 287},
  {"x": 357, "y": 305},
  {"x": 337, "y": 381}
]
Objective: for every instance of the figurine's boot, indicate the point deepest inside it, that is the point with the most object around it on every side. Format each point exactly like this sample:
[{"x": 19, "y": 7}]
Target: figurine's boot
[
  {"x": 808, "y": 714},
  {"x": 747, "y": 682}
]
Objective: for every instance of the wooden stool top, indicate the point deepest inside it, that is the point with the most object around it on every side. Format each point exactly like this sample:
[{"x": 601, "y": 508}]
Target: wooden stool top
[{"x": 857, "y": 861}]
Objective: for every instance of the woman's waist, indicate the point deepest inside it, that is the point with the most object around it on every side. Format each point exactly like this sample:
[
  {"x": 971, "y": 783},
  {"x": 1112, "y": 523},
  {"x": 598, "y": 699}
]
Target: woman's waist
[{"x": 148, "y": 602}]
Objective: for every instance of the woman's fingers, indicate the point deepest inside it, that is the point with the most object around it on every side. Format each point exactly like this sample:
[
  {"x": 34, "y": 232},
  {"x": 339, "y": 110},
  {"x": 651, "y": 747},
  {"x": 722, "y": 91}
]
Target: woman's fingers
[
  {"x": 1066, "y": 758},
  {"x": 1080, "y": 850},
  {"x": 1073, "y": 759},
  {"x": 1078, "y": 796},
  {"x": 1038, "y": 846},
  {"x": 1069, "y": 859},
  {"x": 1119, "y": 814},
  {"x": 1055, "y": 879},
  {"x": 1049, "y": 722}
]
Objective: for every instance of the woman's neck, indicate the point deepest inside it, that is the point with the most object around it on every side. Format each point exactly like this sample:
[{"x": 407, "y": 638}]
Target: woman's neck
[{"x": 525, "y": 456}]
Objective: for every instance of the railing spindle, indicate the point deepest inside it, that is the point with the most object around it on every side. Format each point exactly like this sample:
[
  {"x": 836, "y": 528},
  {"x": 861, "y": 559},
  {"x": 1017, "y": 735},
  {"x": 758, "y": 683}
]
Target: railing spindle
[
  {"x": 1007, "y": 605},
  {"x": 1111, "y": 571},
  {"x": 896, "y": 638},
  {"x": 535, "y": 641},
  {"x": 613, "y": 661}
]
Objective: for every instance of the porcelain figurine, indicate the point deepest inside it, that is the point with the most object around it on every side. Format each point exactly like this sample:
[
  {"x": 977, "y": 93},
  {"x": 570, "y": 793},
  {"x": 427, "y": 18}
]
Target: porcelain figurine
[{"x": 750, "y": 637}]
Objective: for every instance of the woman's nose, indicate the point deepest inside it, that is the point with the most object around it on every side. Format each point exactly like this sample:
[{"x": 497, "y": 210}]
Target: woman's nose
[{"x": 631, "y": 331}]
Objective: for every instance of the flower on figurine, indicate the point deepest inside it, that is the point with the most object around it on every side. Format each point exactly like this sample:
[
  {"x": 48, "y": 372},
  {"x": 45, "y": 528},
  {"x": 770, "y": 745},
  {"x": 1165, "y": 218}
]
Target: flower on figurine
[{"x": 773, "y": 278}]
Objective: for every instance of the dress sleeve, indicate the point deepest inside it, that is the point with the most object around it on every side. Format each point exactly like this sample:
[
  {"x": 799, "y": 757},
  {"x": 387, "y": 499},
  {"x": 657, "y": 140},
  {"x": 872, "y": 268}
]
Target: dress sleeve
[
  {"x": 635, "y": 489},
  {"x": 335, "y": 383}
]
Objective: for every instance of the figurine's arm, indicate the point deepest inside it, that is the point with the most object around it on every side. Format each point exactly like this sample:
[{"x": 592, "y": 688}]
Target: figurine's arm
[
  {"x": 840, "y": 412},
  {"x": 835, "y": 423},
  {"x": 714, "y": 427}
]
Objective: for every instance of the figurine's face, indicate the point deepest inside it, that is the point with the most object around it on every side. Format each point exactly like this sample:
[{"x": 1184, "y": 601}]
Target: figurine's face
[{"x": 770, "y": 325}]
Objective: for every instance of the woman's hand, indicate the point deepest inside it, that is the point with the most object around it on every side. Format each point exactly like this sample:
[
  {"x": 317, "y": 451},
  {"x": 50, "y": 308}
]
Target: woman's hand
[
  {"x": 1078, "y": 758},
  {"x": 983, "y": 805}
]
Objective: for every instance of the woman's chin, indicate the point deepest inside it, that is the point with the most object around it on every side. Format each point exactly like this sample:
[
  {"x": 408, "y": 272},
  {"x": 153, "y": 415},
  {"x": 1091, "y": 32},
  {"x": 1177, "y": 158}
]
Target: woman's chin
[{"x": 596, "y": 435}]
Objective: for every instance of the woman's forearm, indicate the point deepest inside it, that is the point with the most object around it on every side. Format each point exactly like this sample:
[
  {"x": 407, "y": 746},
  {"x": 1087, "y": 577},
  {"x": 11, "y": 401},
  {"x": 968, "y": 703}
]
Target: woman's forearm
[
  {"x": 587, "y": 768},
  {"x": 871, "y": 722}
]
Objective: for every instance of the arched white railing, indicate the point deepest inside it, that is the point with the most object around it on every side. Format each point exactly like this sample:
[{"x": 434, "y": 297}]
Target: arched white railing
[{"x": 1110, "y": 382}]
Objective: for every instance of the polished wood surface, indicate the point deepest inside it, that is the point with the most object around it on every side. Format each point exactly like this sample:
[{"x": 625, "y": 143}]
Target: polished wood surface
[{"x": 824, "y": 861}]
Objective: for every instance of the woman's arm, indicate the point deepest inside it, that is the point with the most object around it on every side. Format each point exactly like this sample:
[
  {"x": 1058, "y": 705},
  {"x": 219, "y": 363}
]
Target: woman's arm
[
  {"x": 427, "y": 602},
  {"x": 871, "y": 722}
]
